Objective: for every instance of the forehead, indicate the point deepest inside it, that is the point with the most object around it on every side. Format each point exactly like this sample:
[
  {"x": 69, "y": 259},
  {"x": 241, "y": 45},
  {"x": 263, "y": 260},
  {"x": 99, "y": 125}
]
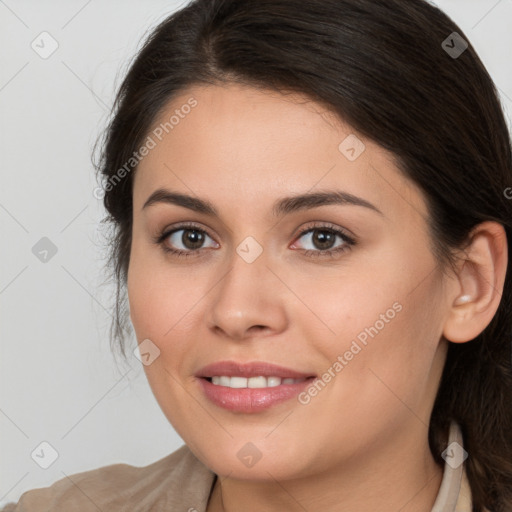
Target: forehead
[{"x": 238, "y": 144}]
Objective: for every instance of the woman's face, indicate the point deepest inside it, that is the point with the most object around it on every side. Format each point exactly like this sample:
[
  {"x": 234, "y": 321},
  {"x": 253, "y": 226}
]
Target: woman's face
[{"x": 356, "y": 305}]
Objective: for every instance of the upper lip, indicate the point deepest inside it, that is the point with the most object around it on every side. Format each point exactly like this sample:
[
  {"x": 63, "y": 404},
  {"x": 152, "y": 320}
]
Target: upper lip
[{"x": 252, "y": 369}]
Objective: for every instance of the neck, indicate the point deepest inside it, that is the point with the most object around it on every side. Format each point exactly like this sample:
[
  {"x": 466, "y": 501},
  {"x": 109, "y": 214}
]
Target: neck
[{"x": 401, "y": 476}]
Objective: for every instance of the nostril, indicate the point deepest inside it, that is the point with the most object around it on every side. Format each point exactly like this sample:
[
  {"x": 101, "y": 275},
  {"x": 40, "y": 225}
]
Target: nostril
[{"x": 259, "y": 327}]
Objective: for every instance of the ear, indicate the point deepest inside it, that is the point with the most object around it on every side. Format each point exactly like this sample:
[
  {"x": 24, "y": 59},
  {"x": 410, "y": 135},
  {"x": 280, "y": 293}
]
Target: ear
[{"x": 478, "y": 286}]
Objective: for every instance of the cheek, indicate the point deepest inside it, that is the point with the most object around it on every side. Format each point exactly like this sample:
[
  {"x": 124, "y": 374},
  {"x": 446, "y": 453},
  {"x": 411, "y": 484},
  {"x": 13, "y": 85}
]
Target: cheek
[
  {"x": 384, "y": 323},
  {"x": 164, "y": 303},
  {"x": 162, "y": 310},
  {"x": 339, "y": 307},
  {"x": 395, "y": 365}
]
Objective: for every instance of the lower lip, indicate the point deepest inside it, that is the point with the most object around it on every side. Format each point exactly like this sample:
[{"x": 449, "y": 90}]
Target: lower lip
[{"x": 250, "y": 400}]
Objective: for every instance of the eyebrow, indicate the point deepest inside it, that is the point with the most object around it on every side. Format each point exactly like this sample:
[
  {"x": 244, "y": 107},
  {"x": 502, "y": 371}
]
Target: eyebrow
[{"x": 281, "y": 207}]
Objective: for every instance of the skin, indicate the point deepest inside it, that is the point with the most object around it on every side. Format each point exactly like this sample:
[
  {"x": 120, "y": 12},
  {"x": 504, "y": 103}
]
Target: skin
[{"x": 361, "y": 443}]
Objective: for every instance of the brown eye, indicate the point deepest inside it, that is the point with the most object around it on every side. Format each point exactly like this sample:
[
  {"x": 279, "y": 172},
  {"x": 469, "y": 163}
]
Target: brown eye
[
  {"x": 192, "y": 239},
  {"x": 187, "y": 239},
  {"x": 323, "y": 240}
]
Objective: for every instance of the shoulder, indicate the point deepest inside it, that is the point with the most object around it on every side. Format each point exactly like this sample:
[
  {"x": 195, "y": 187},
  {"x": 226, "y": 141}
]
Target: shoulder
[{"x": 179, "y": 479}]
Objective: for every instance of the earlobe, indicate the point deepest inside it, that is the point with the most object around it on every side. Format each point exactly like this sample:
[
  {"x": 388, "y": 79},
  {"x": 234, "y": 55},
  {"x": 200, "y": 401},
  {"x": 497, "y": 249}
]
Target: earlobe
[{"x": 480, "y": 279}]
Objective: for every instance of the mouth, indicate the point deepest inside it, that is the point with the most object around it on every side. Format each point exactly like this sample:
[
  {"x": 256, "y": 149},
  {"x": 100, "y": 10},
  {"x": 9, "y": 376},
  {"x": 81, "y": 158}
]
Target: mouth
[
  {"x": 250, "y": 370},
  {"x": 251, "y": 387},
  {"x": 258, "y": 382}
]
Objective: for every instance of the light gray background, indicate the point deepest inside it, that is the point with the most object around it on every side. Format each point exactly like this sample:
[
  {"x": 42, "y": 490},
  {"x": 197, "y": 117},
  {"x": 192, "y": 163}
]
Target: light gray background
[{"x": 59, "y": 381}]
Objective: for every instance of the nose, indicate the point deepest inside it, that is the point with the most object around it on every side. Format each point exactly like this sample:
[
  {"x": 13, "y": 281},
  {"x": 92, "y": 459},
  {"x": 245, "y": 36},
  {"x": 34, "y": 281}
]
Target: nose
[{"x": 248, "y": 301}]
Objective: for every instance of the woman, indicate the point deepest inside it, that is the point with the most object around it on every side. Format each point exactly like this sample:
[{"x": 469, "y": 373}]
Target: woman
[{"x": 312, "y": 216}]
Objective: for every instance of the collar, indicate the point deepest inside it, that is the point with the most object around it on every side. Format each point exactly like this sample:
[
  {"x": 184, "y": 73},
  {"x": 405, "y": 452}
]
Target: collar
[{"x": 454, "y": 494}]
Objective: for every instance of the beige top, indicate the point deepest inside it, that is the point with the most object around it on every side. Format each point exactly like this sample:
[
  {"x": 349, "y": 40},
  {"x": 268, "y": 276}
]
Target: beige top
[{"x": 180, "y": 482}]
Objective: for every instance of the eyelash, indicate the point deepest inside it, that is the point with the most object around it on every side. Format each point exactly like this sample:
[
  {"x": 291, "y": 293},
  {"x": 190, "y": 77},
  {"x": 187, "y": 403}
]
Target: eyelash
[{"x": 349, "y": 242}]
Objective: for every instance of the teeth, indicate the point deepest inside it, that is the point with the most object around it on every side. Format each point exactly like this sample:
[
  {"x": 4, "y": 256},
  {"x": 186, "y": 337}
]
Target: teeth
[
  {"x": 238, "y": 382},
  {"x": 273, "y": 381},
  {"x": 252, "y": 382},
  {"x": 257, "y": 382},
  {"x": 223, "y": 381}
]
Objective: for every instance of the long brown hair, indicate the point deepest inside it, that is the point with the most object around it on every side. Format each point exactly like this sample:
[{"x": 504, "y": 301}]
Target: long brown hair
[{"x": 395, "y": 72}]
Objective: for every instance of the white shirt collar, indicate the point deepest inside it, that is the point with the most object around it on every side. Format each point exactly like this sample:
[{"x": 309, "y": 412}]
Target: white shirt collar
[{"x": 454, "y": 494}]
